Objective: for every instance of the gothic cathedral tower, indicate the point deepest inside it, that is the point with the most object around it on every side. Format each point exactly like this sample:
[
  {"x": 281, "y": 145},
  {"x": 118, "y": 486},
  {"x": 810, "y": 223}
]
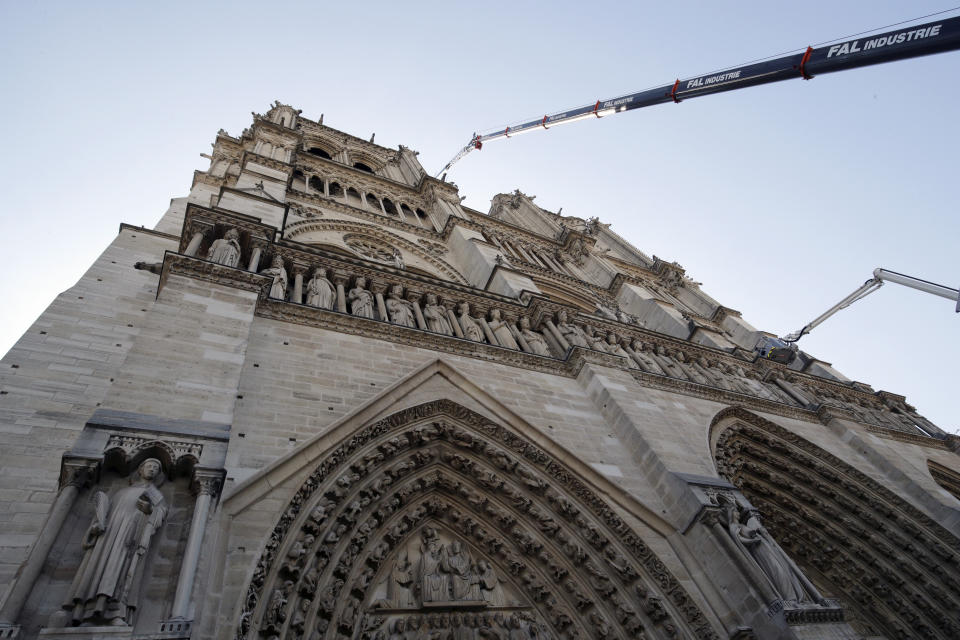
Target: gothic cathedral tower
[{"x": 322, "y": 399}]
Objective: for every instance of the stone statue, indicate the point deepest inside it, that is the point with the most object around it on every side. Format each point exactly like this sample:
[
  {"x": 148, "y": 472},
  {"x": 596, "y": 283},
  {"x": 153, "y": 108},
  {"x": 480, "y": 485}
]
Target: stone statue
[
  {"x": 597, "y": 343},
  {"x": 434, "y": 583},
  {"x": 754, "y": 541},
  {"x": 104, "y": 590},
  {"x": 471, "y": 329},
  {"x": 643, "y": 360},
  {"x": 490, "y": 589},
  {"x": 400, "y": 585},
  {"x": 570, "y": 332},
  {"x": 501, "y": 331},
  {"x": 400, "y": 310},
  {"x": 226, "y": 250},
  {"x": 535, "y": 340},
  {"x": 361, "y": 300},
  {"x": 613, "y": 346},
  {"x": 464, "y": 585},
  {"x": 320, "y": 291},
  {"x": 436, "y": 316},
  {"x": 279, "y": 287},
  {"x": 398, "y": 259}
]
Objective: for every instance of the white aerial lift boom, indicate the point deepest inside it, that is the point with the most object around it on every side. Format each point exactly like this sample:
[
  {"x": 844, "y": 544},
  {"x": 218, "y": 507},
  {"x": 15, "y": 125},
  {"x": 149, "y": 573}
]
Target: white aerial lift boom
[{"x": 783, "y": 349}]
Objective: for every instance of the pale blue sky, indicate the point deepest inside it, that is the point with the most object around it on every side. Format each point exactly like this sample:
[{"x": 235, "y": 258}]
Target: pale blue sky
[{"x": 781, "y": 199}]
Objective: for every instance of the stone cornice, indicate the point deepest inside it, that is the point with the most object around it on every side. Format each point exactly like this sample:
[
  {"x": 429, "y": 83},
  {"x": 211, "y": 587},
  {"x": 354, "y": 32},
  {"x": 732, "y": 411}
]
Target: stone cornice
[{"x": 152, "y": 232}]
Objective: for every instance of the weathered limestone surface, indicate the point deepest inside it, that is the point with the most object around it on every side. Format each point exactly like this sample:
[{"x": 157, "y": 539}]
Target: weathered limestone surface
[{"x": 601, "y": 449}]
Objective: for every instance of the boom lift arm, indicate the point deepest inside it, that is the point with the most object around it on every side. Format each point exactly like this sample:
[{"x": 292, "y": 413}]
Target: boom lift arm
[
  {"x": 918, "y": 40},
  {"x": 879, "y": 277}
]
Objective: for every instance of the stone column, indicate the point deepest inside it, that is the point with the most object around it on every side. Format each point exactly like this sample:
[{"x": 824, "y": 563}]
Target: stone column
[
  {"x": 557, "y": 335},
  {"x": 297, "y": 284},
  {"x": 254, "y": 260},
  {"x": 378, "y": 287},
  {"x": 413, "y": 297},
  {"x": 454, "y": 323},
  {"x": 340, "y": 279},
  {"x": 194, "y": 245},
  {"x": 206, "y": 485},
  {"x": 487, "y": 332},
  {"x": 75, "y": 473}
]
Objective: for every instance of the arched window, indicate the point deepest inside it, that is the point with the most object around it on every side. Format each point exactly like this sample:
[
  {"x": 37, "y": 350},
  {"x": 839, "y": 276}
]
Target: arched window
[
  {"x": 362, "y": 167},
  {"x": 407, "y": 211},
  {"x": 336, "y": 191},
  {"x": 320, "y": 153},
  {"x": 353, "y": 197},
  {"x": 316, "y": 184},
  {"x": 388, "y": 207},
  {"x": 372, "y": 202}
]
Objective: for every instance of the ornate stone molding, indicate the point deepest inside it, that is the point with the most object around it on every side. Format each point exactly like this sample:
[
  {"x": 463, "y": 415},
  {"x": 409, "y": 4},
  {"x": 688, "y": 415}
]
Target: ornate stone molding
[{"x": 577, "y": 563}]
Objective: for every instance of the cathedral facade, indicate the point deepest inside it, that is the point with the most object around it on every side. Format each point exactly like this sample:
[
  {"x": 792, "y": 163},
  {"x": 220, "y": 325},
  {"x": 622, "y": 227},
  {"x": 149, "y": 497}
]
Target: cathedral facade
[{"x": 322, "y": 399}]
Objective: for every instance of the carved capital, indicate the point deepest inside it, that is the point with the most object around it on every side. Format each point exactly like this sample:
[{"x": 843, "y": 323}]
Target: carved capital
[
  {"x": 340, "y": 277},
  {"x": 413, "y": 295},
  {"x": 377, "y": 285},
  {"x": 710, "y": 516},
  {"x": 78, "y": 471},
  {"x": 207, "y": 481}
]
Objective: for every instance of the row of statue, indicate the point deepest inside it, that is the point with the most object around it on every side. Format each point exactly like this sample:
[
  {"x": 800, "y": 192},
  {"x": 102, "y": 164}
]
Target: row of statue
[
  {"x": 463, "y": 626},
  {"x": 553, "y": 339}
]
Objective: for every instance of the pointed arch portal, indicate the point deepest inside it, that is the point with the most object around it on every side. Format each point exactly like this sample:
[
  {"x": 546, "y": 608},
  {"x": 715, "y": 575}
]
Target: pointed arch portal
[
  {"x": 438, "y": 522},
  {"x": 896, "y": 571}
]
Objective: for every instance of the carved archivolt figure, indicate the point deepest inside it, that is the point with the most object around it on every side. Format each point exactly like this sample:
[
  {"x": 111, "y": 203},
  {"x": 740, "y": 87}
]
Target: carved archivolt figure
[
  {"x": 400, "y": 310},
  {"x": 104, "y": 591},
  {"x": 279, "y": 287},
  {"x": 398, "y": 259},
  {"x": 501, "y": 330},
  {"x": 534, "y": 340},
  {"x": 436, "y": 316},
  {"x": 754, "y": 540},
  {"x": 570, "y": 332},
  {"x": 471, "y": 329},
  {"x": 320, "y": 291},
  {"x": 361, "y": 300},
  {"x": 226, "y": 250}
]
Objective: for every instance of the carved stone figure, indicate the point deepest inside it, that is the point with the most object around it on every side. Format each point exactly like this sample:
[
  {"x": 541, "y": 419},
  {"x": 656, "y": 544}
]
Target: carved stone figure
[
  {"x": 226, "y": 250},
  {"x": 434, "y": 583},
  {"x": 570, "y": 332},
  {"x": 464, "y": 585},
  {"x": 490, "y": 589},
  {"x": 104, "y": 590},
  {"x": 501, "y": 330},
  {"x": 400, "y": 310},
  {"x": 320, "y": 291},
  {"x": 534, "y": 339},
  {"x": 642, "y": 359},
  {"x": 613, "y": 346},
  {"x": 752, "y": 538},
  {"x": 471, "y": 330},
  {"x": 278, "y": 289},
  {"x": 400, "y": 585},
  {"x": 436, "y": 316},
  {"x": 398, "y": 259},
  {"x": 361, "y": 300}
]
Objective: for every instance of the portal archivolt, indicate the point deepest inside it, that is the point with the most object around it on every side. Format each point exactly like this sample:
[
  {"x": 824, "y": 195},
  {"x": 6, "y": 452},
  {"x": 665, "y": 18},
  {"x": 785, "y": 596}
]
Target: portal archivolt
[
  {"x": 897, "y": 569},
  {"x": 436, "y": 522}
]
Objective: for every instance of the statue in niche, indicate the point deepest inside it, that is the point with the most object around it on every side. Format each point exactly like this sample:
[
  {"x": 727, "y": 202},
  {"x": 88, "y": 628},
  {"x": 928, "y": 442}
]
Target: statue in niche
[
  {"x": 464, "y": 585},
  {"x": 436, "y": 316},
  {"x": 361, "y": 300},
  {"x": 570, "y": 332},
  {"x": 400, "y": 586},
  {"x": 434, "y": 583},
  {"x": 490, "y": 589},
  {"x": 398, "y": 259},
  {"x": 613, "y": 346},
  {"x": 279, "y": 287},
  {"x": 501, "y": 330},
  {"x": 400, "y": 310},
  {"x": 320, "y": 291},
  {"x": 754, "y": 541},
  {"x": 534, "y": 340},
  {"x": 104, "y": 590},
  {"x": 643, "y": 360},
  {"x": 668, "y": 363},
  {"x": 597, "y": 343},
  {"x": 226, "y": 250},
  {"x": 471, "y": 329}
]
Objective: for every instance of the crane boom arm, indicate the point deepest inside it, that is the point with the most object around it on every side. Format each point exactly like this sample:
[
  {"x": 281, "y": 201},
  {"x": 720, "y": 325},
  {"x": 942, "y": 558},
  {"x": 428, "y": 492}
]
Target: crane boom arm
[
  {"x": 879, "y": 277},
  {"x": 918, "y": 40}
]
